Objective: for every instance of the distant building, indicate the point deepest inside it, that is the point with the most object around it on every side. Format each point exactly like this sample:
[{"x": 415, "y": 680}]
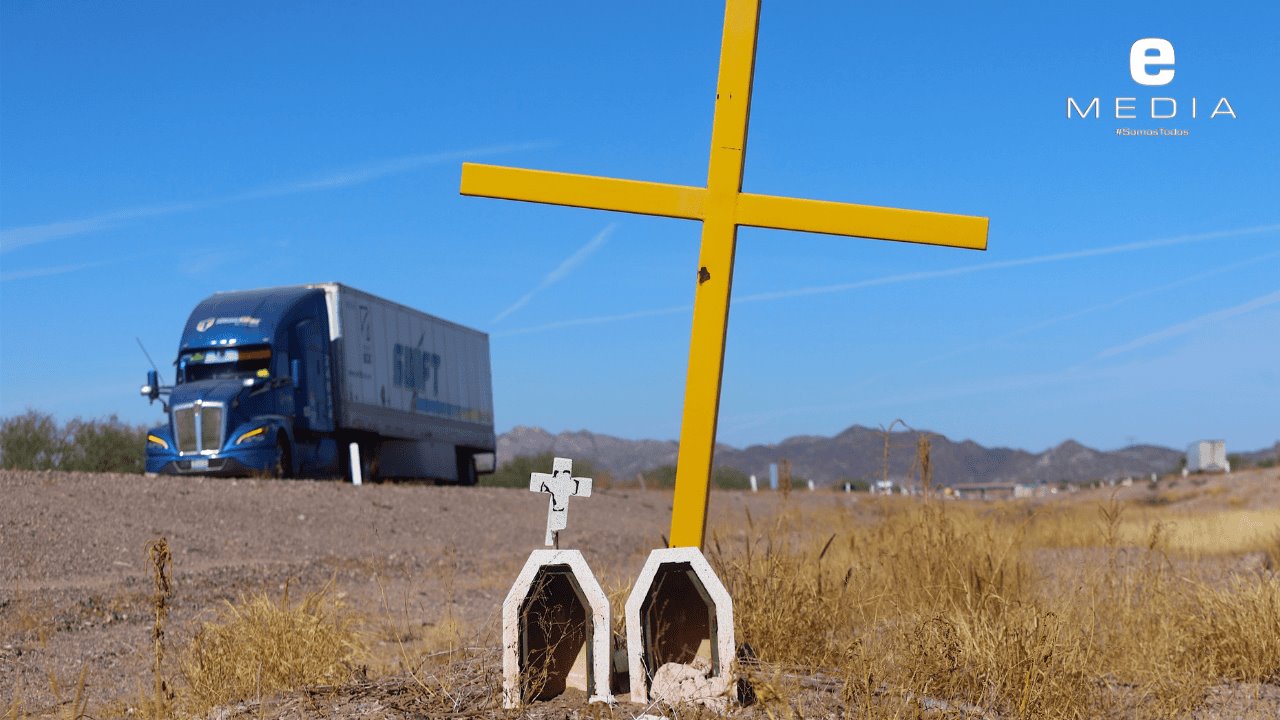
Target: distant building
[
  {"x": 1207, "y": 456},
  {"x": 985, "y": 490}
]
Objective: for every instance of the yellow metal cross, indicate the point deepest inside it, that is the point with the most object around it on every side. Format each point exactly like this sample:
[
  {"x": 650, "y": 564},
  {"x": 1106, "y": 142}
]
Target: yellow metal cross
[{"x": 722, "y": 207}]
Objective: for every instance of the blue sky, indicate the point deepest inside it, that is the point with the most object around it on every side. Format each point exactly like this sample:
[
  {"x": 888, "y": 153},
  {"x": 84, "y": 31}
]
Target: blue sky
[{"x": 154, "y": 153}]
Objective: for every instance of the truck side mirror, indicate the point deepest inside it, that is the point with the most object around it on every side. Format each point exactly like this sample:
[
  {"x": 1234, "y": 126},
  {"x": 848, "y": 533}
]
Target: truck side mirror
[
  {"x": 152, "y": 389},
  {"x": 295, "y": 371}
]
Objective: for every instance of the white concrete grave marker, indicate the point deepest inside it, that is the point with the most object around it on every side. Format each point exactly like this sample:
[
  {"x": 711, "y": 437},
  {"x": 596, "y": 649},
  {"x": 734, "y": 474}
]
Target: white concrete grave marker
[
  {"x": 561, "y": 485},
  {"x": 680, "y": 643},
  {"x": 555, "y": 631}
]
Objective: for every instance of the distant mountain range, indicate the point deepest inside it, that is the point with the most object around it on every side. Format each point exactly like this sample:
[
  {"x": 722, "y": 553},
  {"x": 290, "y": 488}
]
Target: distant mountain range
[{"x": 858, "y": 454}]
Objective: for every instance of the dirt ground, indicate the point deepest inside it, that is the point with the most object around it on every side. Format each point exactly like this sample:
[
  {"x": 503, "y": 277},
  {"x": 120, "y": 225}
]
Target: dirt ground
[{"x": 74, "y": 588}]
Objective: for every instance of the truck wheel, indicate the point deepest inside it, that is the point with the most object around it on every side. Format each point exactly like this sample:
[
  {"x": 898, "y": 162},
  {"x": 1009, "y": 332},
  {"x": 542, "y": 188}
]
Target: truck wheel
[{"x": 284, "y": 459}]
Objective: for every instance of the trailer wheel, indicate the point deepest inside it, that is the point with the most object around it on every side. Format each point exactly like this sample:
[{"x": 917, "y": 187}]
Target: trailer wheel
[
  {"x": 466, "y": 468},
  {"x": 284, "y": 459},
  {"x": 369, "y": 462}
]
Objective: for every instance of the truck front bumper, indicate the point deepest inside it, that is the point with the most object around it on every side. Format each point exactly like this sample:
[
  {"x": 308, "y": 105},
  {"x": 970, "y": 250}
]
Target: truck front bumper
[{"x": 255, "y": 461}]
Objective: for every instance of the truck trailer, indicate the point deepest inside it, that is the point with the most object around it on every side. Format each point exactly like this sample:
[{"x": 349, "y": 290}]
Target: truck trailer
[{"x": 284, "y": 381}]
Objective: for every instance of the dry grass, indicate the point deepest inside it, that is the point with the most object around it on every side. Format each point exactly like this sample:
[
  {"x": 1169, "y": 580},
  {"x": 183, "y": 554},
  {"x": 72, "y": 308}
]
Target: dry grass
[
  {"x": 27, "y": 617},
  {"x": 1074, "y": 612},
  {"x": 261, "y": 646},
  {"x": 886, "y": 608},
  {"x": 1203, "y": 533},
  {"x": 70, "y": 707}
]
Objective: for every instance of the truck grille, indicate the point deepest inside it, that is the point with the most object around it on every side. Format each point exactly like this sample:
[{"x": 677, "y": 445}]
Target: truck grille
[
  {"x": 198, "y": 428},
  {"x": 184, "y": 428}
]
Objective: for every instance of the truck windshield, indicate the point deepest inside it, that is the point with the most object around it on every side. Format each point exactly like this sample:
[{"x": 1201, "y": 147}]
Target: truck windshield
[{"x": 225, "y": 364}]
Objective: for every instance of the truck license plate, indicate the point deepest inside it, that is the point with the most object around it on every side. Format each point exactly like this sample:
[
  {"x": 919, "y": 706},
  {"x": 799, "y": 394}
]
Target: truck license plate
[{"x": 201, "y": 464}]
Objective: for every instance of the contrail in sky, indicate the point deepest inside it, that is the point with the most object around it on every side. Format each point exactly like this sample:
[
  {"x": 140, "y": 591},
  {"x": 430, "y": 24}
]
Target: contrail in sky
[
  {"x": 14, "y": 238},
  {"x": 915, "y": 276},
  {"x": 1186, "y": 327},
  {"x": 600, "y": 320},
  {"x": 562, "y": 270},
  {"x": 1095, "y": 308},
  {"x": 1004, "y": 264},
  {"x": 743, "y": 422},
  {"x": 47, "y": 271}
]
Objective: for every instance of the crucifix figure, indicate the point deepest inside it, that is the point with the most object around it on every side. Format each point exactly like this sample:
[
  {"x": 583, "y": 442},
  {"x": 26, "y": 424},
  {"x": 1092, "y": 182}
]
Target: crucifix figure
[
  {"x": 722, "y": 207},
  {"x": 561, "y": 485}
]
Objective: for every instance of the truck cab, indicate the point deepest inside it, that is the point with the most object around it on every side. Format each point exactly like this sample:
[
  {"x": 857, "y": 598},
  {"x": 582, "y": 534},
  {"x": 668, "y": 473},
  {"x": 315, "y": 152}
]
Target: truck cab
[{"x": 252, "y": 392}]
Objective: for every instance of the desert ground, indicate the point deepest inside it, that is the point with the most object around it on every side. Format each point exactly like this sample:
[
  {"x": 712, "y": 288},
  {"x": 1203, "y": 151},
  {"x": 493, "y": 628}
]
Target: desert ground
[{"x": 421, "y": 571}]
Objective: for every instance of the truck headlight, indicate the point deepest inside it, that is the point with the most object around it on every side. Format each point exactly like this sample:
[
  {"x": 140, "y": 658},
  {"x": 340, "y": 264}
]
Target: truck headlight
[
  {"x": 157, "y": 440},
  {"x": 253, "y": 435}
]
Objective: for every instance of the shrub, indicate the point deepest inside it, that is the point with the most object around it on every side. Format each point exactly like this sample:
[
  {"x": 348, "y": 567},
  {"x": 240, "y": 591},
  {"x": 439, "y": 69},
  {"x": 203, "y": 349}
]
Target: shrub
[
  {"x": 107, "y": 445},
  {"x": 31, "y": 441},
  {"x": 515, "y": 472},
  {"x": 723, "y": 478},
  {"x": 35, "y": 441},
  {"x": 727, "y": 478}
]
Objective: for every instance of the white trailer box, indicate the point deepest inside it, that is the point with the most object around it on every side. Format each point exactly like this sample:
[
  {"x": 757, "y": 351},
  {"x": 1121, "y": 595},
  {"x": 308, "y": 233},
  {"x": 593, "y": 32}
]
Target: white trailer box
[
  {"x": 420, "y": 383},
  {"x": 1207, "y": 456}
]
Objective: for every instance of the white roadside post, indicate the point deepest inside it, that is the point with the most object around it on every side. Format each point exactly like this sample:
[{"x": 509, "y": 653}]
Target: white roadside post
[
  {"x": 555, "y": 620},
  {"x": 356, "y": 478}
]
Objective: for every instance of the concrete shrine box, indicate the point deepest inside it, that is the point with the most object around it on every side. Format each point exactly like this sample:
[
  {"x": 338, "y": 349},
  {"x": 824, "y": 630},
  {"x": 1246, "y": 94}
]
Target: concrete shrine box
[
  {"x": 678, "y": 612},
  {"x": 555, "y": 631}
]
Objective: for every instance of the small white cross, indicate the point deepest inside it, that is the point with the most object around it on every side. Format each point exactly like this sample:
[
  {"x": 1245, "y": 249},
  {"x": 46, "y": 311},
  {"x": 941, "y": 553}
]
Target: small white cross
[{"x": 561, "y": 485}]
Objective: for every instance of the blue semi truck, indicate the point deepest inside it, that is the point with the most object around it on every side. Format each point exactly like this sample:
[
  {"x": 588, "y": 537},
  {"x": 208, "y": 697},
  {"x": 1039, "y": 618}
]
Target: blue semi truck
[{"x": 323, "y": 381}]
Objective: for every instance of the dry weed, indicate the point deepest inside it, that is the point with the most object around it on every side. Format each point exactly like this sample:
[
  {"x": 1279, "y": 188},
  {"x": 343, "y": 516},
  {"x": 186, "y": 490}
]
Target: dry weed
[
  {"x": 261, "y": 646},
  {"x": 159, "y": 558},
  {"x": 952, "y": 607},
  {"x": 74, "y": 707}
]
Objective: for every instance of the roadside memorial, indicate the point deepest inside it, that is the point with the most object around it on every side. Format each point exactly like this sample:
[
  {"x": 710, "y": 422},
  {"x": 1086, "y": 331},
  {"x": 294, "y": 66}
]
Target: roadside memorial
[
  {"x": 556, "y": 622},
  {"x": 679, "y": 618},
  {"x": 721, "y": 207},
  {"x": 555, "y": 619}
]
